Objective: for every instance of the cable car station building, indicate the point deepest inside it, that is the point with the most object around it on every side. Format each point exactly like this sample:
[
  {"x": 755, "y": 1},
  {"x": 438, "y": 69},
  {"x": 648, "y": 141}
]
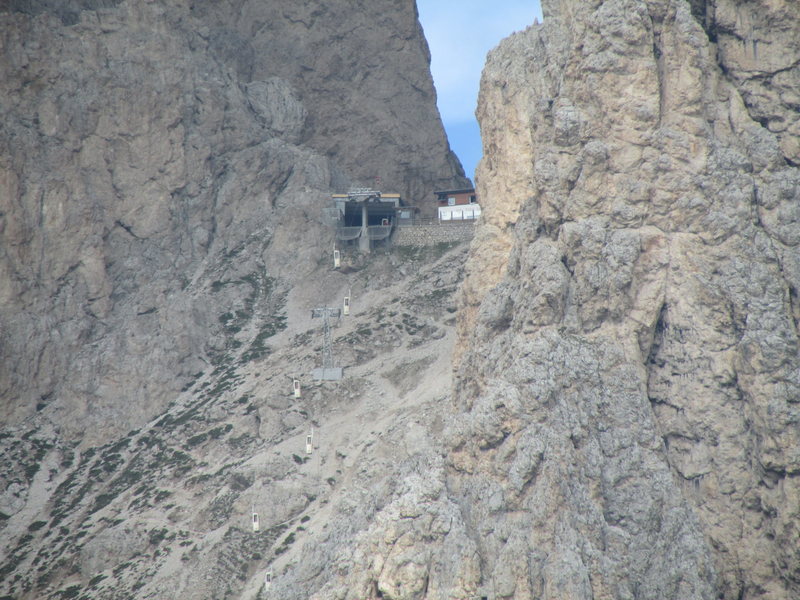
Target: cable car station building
[
  {"x": 365, "y": 216},
  {"x": 458, "y": 205}
]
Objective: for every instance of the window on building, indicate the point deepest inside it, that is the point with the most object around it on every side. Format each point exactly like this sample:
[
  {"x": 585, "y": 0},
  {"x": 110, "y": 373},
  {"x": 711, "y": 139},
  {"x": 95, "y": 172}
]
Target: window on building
[
  {"x": 451, "y": 201},
  {"x": 472, "y": 199}
]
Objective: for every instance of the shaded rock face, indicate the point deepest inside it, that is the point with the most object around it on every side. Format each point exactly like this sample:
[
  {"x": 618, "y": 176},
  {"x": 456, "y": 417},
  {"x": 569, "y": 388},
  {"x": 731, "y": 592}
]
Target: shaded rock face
[
  {"x": 629, "y": 378},
  {"x": 163, "y": 167},
  {"x": 363, "y": 74}
]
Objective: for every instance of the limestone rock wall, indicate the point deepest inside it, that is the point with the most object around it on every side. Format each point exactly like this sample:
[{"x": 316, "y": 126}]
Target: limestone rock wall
[
  {"x": 630, "y": 379},
  {"x": 363, "y": 71},
  {"x": 163, "y": 166}
]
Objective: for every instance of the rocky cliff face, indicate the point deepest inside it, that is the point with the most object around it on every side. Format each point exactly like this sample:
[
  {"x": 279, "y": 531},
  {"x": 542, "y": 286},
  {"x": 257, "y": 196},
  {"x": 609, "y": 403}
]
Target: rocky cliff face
[
  {"x": 623, "y": 422},
  {"x": 163, "y": 167},
  {"x": 626, "y": 402},
  {"x": 163, "y": 172},
  {"x": 630, "y": 380}
]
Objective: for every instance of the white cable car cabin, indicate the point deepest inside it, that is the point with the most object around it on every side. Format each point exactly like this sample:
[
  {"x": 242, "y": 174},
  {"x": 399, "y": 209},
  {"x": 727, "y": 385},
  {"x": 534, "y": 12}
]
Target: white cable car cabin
[
  {"x": 296, "y": 387},
  {"x": 256, "y": 525}
]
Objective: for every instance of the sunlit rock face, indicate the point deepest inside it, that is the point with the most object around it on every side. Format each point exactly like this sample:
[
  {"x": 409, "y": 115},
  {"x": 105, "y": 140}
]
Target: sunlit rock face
[
  {"x": 149, "y": 149},
  {"x": 629, "y": 378}
]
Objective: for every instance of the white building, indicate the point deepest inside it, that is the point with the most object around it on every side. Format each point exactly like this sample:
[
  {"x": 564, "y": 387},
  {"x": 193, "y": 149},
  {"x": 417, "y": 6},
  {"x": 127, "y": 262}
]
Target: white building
[{"x": 458, "y": 205}]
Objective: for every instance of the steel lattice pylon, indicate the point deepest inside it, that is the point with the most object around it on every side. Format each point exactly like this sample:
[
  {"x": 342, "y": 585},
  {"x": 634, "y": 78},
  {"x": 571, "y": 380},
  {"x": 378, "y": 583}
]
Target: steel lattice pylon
[{"x": 326, "y": 313}]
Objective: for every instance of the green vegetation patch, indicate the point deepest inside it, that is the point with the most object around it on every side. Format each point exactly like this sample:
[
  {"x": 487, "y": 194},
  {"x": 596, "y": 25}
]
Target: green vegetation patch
[
  {"x": 72, "y": 591},
  {"x": 263, "y": 290},
  {"x": 196, "y": 440},
  {"x": 192, "y": 381},
  {"x": 259, "y": 349},
  {"x": 156, "y": 536},
  {"x": 162, "y": 495},
  {"x": 37, "y": 453},
  {"x": 438, "y": 296},
  {"x": 221, "y": 508},
  {"x": 212, "y": 434},
  {"x": 287, "y": 541},
  {"x": 121, "y": 567},
  {"x": 240, "y": 441},
  {"x": 36, "y": 525}
]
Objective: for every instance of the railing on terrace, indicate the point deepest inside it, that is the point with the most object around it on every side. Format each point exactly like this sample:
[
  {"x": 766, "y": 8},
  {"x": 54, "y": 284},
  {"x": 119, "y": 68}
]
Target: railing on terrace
[
  {"x": 435, "y": 221},
  {"x": 379, "y": 232},
  {"x": 348, "y": 233}
]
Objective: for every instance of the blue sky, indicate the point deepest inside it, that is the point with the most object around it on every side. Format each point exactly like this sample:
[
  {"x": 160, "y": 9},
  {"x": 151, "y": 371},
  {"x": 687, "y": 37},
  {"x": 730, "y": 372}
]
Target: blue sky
[{"x": 460, "y": 33}]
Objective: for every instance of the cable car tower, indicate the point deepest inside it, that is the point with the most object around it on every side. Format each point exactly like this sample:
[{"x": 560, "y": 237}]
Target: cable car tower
[{"x": 328, "y": 372}]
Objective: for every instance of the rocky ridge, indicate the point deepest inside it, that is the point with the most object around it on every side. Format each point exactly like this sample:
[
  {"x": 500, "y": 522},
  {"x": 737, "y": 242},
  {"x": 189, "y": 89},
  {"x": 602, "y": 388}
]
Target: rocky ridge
[{"x": 625, "y": 411}]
